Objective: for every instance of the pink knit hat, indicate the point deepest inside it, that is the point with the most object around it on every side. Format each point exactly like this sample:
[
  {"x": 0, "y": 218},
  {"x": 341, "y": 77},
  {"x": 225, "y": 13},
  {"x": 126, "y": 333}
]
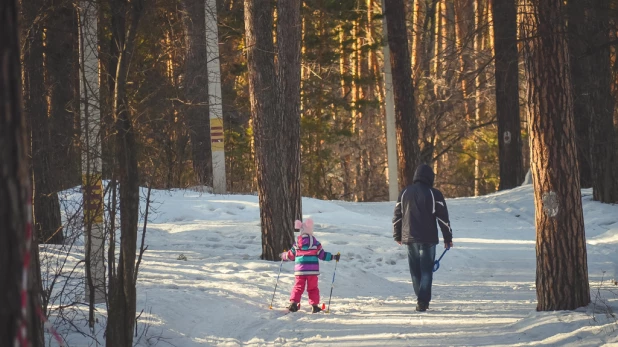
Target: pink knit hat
[{"x": 304, "y": 227}]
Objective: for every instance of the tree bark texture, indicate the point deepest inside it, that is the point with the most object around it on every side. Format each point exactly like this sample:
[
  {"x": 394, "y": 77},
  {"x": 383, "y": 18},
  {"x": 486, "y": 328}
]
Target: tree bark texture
[
  {"x": 289, "y": 30},
  {"x": 196, "y": 89},
  {"x": 507, "y": 94},
  {"x": 61, "y": 65},
  {"x": 562, "y": 270},
  {"x": 465, "y": 24},
  {"x": 15, "y": 190},
  {"x": 588, "y": 29},
  {"x": 405, "y": 107},
  {"x": 47, "y": 218},
  {"x": 122, "y": 294},
  {"x": 276, "y": 209}
]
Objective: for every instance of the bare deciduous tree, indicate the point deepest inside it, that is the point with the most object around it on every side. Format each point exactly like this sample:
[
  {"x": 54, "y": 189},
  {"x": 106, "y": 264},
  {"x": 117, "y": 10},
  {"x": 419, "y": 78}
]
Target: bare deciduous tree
[{"x": 122, "y": 294}]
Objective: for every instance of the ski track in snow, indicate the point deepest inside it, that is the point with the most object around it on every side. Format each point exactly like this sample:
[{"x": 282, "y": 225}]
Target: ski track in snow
[{"x": 483, "y": 295}]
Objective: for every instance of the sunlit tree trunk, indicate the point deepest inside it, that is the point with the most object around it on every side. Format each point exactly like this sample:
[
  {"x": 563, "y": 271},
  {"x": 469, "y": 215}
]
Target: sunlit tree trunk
[
  {"x": 562, "y": 269},
  {"x": 479, "y": 89},
  {"x": 276, "y": 210},
  {"x": 288, "y": 74},
  {"x": 387, "y": 99},
  {"x": 215, "y": 99},
  {"x": 405, "y": 113}
]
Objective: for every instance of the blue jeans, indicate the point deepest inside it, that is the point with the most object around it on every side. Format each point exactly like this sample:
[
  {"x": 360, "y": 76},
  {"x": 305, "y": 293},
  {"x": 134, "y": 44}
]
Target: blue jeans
[{"x": 421, "y": 257}]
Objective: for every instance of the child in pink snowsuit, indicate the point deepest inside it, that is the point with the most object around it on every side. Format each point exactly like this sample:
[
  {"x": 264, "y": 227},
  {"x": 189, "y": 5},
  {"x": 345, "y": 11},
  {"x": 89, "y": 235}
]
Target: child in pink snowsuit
[{"x": 306, "y": 252}]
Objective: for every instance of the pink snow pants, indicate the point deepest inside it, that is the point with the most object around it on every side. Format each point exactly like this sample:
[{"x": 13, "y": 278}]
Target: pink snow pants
[{"x": 312, "y": 289}]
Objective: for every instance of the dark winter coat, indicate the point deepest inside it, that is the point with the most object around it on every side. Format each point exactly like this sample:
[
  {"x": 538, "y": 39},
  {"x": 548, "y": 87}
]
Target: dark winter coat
[{"x": 419, "y": 208}]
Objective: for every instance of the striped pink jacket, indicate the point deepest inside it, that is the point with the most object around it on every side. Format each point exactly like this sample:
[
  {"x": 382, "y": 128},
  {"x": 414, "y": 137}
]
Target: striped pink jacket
[{"x": 306, "y": 253}]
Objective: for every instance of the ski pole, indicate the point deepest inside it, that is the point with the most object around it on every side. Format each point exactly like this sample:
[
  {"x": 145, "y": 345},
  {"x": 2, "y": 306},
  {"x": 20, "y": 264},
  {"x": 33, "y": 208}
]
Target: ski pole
[
  {"x": 332, "y": 285},
  {"x": 436, "y": 264},
  {"x": 276, "y": 283}
]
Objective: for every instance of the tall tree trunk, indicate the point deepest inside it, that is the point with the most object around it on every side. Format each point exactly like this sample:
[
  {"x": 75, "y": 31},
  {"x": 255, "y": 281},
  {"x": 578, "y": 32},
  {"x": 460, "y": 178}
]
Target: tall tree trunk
[
  {"x": 288, "y": 68},
  {"x": 562, "y": 270},
  {"x": 387, "y": 99},
  {"x": 276, "y": 214},
  {"x": 578, "y": 42},
  {"x": 215, "y": 97},
  {"x": 61, "y": 64},
  {"x": 15, "y": 194},
  {"x": 507, "y": 94},
  {"x": 593, "y": 102},
  {"x": 48, "y": 221},
  {"x": 196, "y": 89},
  {"x": 405, "y": 112},
  {"x": 464, "y": 14},
  {"x": 425, "y": 78},
  {"x": 479, "y": 88},
  {"x": 92, "y": 185},
  {"x": 122, "y": 295}
]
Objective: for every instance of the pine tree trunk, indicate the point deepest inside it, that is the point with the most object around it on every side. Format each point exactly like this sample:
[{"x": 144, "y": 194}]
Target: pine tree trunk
[
  {"x": 276, "y": 210},
  {"x": 122, "y": 294},
  {"x": 507, "y": 94},
  {"x": 464, "y": 14},
  {"x": 15, "y": 207},
  {"x": 578, "y": 43},
  {"x": 593, "y": 102},
  {"x": 288, "y": 64},
  {"x": 61, "y": 64},
  {"x": 48, "y": 221},
  {"x": 405, "y": 112},
  {"x": 426, "y": 77},
  {"x": 562, "y": 270},
  {"x": 196, "y": 89}
]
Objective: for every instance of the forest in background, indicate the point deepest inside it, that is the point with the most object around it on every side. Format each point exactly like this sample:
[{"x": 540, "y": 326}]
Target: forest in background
[
  {"x": 119, "y": 90},
  {"x": 343, "y": 137}
]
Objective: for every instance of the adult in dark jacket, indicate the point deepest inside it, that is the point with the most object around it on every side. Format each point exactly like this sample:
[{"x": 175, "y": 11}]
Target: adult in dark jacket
[{"x": 420, "y": 208}]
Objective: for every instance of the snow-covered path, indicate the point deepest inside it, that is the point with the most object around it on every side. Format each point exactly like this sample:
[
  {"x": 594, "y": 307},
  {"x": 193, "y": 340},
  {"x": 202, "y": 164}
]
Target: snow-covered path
[{"x": 484, "y": 293}]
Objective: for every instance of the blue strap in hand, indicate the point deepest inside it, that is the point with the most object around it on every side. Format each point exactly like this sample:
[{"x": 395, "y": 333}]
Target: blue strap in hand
[{"x": 436, "y": 264}]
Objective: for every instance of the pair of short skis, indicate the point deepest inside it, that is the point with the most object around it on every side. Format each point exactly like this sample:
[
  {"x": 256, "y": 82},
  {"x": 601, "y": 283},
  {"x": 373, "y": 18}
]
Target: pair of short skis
[{"x": 332, "y": 285}]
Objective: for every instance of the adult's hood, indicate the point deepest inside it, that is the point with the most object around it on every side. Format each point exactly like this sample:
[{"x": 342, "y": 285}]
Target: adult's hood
[{"x": 424, "y": 174}]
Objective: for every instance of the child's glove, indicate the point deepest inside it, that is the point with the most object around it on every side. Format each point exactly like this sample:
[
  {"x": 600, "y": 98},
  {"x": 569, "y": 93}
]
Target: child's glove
[
  {"x": 337, "y": 256},
  {"x": 282, "y": 256}
]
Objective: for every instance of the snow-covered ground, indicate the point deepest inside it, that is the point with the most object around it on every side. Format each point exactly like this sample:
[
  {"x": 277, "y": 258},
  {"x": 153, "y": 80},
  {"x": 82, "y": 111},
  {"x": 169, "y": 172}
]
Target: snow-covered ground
[{"x": 484, "y": 292}]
